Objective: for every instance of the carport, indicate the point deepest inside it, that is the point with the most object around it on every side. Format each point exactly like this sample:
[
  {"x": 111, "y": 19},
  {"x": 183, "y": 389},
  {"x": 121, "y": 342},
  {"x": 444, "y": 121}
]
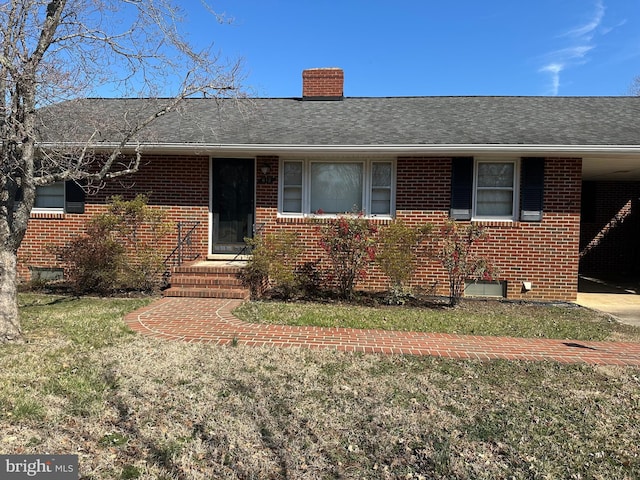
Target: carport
[
  {"x": 619, "y": 300},
  {"x": 610, "y": 218},
  {"x": 610, "y": 235}
]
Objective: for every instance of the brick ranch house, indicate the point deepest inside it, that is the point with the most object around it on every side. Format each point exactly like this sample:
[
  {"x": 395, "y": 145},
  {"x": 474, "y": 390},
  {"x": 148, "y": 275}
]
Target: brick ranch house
[{"x": 526, "y": 168}]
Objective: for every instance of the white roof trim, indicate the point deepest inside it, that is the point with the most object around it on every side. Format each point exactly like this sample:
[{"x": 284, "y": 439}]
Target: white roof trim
[{"x": 414, "y": 149}]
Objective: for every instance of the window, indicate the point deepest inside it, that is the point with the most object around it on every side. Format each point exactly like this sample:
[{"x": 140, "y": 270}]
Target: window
[
  {"x": 486, "y": 189},
  {"x": 50, "y": 198},
  {"x": 292, "y": 189},
  {"x": 333, "y": 187},
  {"x": 336, "y": 187},
  {"x": 381, "y": 181},
  {"x": 485, "y": 288},
  {"x": 46, "y": 274},
  {"x": 495, "y": 190},
  {"x": 60, "y": 197}
]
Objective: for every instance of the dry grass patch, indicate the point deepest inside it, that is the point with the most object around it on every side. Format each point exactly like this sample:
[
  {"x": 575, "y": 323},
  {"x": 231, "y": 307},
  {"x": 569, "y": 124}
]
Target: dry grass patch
[{"x": 136, "y": 407}]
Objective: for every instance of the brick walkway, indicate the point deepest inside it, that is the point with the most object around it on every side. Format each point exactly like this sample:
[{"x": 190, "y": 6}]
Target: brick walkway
[{"x": 211, "y": 321}]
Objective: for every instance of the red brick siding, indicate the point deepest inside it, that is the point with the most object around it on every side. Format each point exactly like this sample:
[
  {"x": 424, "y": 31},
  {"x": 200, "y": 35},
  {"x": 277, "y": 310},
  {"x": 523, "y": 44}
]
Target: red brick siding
[
  {"x": 423, "y": 185},
  {"x": 179, "y": 185},
  {"x": 167, "y": 180},
  {"x": 544, "y": 253},
  {"x": 267, "y": 193}
]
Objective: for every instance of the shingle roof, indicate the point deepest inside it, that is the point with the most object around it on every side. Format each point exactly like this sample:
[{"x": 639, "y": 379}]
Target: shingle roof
[{"x": 573, "y": 121}]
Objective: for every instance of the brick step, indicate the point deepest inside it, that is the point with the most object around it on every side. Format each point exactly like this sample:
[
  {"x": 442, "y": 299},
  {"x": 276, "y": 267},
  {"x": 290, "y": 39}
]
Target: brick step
[
  {"x": 191, "y": 292},
  {"x": 185, "y": 280},
  {"x": 201, "y": 269},
  {"x": 207, "y": 280}
]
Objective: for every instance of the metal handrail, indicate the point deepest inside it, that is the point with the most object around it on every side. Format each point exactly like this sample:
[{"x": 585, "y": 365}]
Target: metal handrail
[{"x": 184, "y": 239}]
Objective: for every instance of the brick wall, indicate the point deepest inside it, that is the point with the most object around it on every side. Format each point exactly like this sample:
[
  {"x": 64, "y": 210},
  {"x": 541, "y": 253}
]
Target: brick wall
[
  {"x": 178, "y": 185},
  {"x": 610, "y": 229},
  {"x": 544, "y": 253}
]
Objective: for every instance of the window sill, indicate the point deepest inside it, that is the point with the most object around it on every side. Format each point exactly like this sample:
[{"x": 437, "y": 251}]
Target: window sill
[
  {"x": 306, "y": 218},
  {"x": 487, "y": 222},
  {"x": 47, "y": 214}
]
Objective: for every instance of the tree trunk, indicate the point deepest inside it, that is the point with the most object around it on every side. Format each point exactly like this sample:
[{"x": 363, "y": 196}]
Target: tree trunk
[{"x": 9, "y": 321}]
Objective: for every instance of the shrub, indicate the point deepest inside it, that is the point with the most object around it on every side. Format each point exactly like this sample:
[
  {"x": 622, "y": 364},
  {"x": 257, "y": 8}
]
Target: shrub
[
  {"x": 397, "y": 254},
  {"x": 273, "y": 264},
  {"x": 309, "y": 278},
  {"x": 141, "y": 230},
  {"x": 255, "y": 274},
  {"x": 348, "y": 241},
  {"x": 120, "y": 249},
  {"x": 458, "y": 257},
  {"x": 94, "y": 261}
]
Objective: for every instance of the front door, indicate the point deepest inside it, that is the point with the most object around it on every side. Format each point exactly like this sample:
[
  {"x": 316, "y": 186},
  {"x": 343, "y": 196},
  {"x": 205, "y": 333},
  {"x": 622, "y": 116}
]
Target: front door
[{"x": 232, "y": 203}]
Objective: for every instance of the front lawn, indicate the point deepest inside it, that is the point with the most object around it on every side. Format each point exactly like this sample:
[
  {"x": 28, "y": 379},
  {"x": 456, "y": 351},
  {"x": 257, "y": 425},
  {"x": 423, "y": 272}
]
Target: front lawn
[
  {"x": 469, "y": 318},
  {"x": 137, "y": 407}
]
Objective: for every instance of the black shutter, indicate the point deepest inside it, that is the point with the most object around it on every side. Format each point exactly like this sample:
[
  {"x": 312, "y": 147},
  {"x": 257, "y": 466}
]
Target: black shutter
[
  {"x": 532, "y": 189},
  {"x": 461, "y": 188},
  {"x": 74, "y": 197}
]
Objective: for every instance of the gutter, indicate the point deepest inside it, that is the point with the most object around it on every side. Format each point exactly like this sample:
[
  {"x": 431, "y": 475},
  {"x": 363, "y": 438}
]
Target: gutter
[{"x": 381, "y": 150}]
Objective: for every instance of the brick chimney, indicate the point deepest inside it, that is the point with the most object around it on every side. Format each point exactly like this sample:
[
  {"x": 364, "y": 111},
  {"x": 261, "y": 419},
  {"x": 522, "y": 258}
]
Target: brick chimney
[{"x": 323, "y": 84}]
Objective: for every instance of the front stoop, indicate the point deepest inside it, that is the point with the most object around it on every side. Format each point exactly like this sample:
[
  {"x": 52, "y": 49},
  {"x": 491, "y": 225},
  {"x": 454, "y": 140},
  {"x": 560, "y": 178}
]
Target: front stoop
[{"x": 207, "y": 279}]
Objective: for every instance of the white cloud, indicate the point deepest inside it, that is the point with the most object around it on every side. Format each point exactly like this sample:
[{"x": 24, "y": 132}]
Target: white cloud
[
  {"x": 568, "y": 55},
  {"x": 554, "y": 69},
  {"x": 606, "y": 30},
  {"x": 574, "y": 54},
  {"x": 586, "y": 31}
]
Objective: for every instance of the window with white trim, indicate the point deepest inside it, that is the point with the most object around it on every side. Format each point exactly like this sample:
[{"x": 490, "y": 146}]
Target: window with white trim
[
  {"x": 50, "y": 198},
  {"x": 495, "y": 189},
  {"x": 292, "y": 187},
  {"x": 334, "y": 187},
  {"x": 381, "y": 183}
]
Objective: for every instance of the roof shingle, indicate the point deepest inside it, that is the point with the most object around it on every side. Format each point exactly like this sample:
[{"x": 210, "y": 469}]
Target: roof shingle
[{"x": 572, "y": 121}]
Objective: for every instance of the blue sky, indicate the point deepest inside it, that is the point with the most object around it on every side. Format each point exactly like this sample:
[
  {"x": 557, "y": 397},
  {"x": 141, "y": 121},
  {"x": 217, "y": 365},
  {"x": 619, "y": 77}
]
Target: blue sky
[{"x": 430, "y": 47}]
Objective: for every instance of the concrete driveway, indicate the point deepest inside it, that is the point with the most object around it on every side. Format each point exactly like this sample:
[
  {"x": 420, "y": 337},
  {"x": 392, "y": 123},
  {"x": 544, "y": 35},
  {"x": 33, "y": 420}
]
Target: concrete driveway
[{"x": 618, "y": 300}]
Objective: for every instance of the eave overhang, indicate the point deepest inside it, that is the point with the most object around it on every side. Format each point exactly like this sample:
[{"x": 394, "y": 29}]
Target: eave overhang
[{"x": 377, "y": 150}]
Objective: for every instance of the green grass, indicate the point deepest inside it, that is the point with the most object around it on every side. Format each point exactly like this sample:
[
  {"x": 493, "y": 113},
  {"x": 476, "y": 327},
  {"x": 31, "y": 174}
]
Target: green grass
[
  {"x": 471, "y": 318},
  {"x": 25, "y": 408},
  {"x": 60, "y": 334},
  {"x": 84, "y": 321},
  {"x": 137, "y": 407}
]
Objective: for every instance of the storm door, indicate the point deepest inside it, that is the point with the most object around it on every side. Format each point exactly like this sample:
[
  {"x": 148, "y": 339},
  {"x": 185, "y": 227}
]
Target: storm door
[{"x": 232, "y": 203}]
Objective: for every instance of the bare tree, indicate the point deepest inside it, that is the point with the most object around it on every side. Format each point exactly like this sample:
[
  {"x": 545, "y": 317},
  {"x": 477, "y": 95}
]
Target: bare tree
[{"x": 58, "y": 50}]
